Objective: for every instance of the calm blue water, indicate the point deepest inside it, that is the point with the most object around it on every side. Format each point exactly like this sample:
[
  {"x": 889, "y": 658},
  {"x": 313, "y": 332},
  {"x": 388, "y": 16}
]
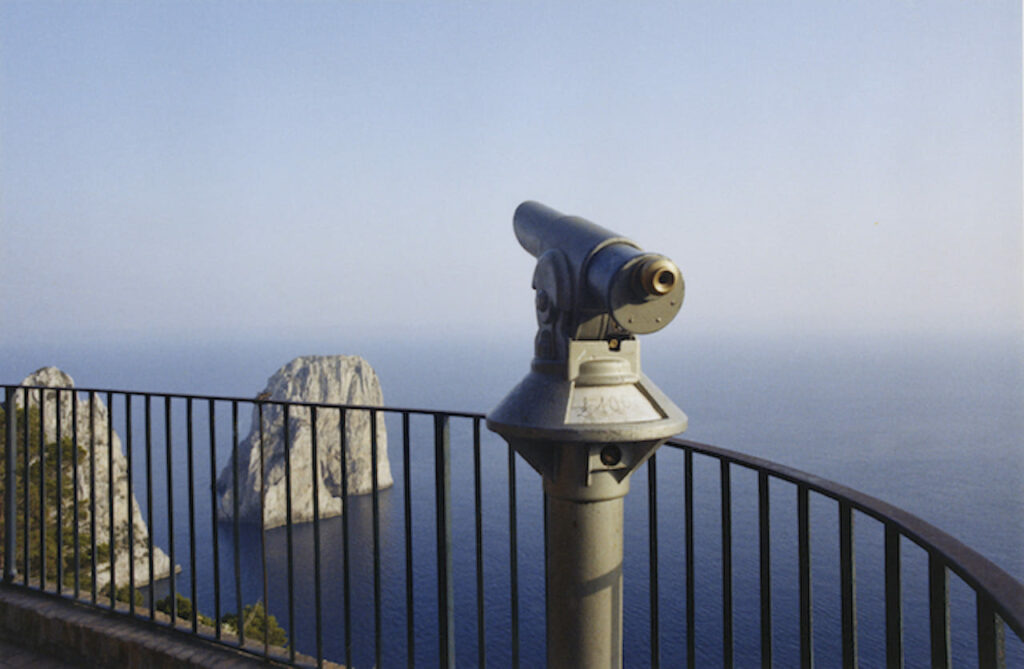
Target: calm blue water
[{"x": 931, "y": 425}]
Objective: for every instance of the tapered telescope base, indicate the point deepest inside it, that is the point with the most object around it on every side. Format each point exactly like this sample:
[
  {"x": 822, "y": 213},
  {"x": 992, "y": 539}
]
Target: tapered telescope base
[{"x": 584, "y": 572}]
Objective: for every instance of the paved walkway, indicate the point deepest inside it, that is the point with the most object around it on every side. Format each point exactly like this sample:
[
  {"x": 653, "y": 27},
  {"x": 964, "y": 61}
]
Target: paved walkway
[{"x": 16, "y": 656}]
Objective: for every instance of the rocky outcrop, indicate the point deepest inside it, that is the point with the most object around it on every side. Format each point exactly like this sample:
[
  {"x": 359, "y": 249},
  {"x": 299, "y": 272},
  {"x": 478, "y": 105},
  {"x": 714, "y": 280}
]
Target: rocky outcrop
[
  {"x": 337, "y": 379},
  {"x": 107, "y": 454}
]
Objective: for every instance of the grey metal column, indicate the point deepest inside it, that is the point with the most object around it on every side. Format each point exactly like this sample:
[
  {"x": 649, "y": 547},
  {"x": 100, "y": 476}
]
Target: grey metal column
[
  {"x": 10, "y": 487},
  {"x": 584, "y": 571},
  {"x": 586, "y": 417}
]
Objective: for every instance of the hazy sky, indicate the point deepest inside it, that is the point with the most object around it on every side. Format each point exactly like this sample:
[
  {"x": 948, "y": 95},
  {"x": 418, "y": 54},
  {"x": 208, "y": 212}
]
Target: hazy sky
[{"x": 225, "y": 169}]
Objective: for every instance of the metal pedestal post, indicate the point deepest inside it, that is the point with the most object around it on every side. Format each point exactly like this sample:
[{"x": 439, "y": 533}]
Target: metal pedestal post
[{"x": 584, "y": 572}]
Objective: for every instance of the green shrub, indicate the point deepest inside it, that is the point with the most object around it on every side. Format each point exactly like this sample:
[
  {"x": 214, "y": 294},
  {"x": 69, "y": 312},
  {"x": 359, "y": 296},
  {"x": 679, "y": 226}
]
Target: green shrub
[
  {"x": 256, "y": 620},
  {"x": 123, "y": 594},
  {"x": 184, "y": 609}
]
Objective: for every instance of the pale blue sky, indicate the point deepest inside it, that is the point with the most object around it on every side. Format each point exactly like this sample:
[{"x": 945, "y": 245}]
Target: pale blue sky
[{"x": 231, "y": 169}]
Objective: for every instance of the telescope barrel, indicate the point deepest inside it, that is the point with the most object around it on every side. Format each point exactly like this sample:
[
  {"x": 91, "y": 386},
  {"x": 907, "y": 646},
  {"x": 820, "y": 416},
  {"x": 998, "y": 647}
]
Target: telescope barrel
[
  {"x": 540, "y": 228},
  {"x": 641, "y": 291}
]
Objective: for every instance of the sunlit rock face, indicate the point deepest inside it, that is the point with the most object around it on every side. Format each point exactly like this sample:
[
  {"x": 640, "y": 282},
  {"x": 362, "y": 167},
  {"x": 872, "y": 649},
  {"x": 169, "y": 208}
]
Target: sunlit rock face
[
  {"x": 335, "y": 379},
  {"x": 99, "y": 448}
]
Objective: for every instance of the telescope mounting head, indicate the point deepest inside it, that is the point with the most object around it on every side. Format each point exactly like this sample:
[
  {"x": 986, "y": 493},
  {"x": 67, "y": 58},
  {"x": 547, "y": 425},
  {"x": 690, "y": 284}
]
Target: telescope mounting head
[
  {"x": 592, "y": 284},
  {"x": 595, "y": 291}
]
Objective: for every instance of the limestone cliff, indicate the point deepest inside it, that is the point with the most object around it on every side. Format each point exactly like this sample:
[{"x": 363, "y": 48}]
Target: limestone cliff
[
  {"x": 106, "y": 454},
  {"x": 337, "y": 379}
]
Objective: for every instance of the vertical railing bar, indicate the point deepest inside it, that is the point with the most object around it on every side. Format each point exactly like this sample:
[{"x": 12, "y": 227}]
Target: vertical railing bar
[
  {"x": 938, "y": 612},
  {"x": 168, "y": 447},
  {"x": 513, "y": 555},
  {"x": 410, "y": 620},
  {"x": 991, "y": 642},
  {"x": 10, "y": 486},
  {"x": 190, "y": 446},
  {"x": 235, "y": 530},
  {"x": 92, "y": 492},
  {"x": 288, "y": 527},
  {"x": 803, "y": 513},
  {"x": 347, "y": 594},
  {"x": 375, "y": 487},
  {"x": 764, "y": 523},
  {"x": 727, "y": 616},
  {"x": 442, "y": 492},
  {"x": 112, "y": 584},
  {"x": 481, "y": 628},
  {"x": 547, "y": 556},
  {"x": 58, "y": 491},
  {"x": 893, "y": 600},
  {"x": 263, "y": 533},
  {"x": 316, "y": 536},
  {"x": 26, "y": 567},
  {"x": 76, "y": 549},
  {"x": 149, "y": 503},
  {"x": 128, "y": 503},
  {"x": 652, "y": 555},
  {"x": 213, "y": 518},
  {"x": 848, "y": 585},
  {"x": 42, "y": 490},
  {"x": 691, "y": 645}
]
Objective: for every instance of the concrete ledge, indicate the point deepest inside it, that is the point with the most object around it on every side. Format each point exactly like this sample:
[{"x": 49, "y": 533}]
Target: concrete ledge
[{"x": 80, "y": 634}]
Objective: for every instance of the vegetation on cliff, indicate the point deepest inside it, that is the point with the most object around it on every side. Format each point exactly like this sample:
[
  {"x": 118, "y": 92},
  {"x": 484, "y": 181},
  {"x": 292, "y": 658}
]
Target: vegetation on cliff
[{"x": 49, "y": 506}]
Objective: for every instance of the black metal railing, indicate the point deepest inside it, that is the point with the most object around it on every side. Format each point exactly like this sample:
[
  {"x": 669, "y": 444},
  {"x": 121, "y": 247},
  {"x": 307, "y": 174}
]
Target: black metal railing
[
  {"x": 730, "y": 560},
  {"x": 999, "y": 598}
]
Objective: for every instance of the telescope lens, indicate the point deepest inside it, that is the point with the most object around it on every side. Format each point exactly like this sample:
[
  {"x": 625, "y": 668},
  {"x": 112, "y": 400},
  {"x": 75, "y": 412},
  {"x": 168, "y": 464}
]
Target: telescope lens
[{"x": 657, "y": 276}]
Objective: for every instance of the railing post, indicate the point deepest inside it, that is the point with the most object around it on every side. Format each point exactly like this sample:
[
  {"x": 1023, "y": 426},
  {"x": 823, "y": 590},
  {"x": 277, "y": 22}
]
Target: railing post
[
  {"x": 443, "y": 502},
  {"x": 10, "y": 486},
  {"x": 938, "y": 612}
]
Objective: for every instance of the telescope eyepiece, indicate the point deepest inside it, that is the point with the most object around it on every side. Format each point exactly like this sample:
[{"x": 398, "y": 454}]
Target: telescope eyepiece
[{"x": 656, "y": 277}]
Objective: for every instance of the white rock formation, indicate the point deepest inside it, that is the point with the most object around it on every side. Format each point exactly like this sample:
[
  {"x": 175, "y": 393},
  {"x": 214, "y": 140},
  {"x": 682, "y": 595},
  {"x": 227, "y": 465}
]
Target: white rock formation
[
  {"x": 105, "y": 455},
  {"x": 336, "y": 379}
]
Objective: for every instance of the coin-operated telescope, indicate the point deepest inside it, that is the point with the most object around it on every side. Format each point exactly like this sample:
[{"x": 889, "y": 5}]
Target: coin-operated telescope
[{"x": 585, "y": 417}]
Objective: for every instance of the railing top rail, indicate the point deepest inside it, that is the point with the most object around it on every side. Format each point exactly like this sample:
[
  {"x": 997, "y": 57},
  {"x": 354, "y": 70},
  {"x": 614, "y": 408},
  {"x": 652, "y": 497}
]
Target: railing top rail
[
  {"x": 252, "y": 400},
  {"x": 1006, "y": 592}
]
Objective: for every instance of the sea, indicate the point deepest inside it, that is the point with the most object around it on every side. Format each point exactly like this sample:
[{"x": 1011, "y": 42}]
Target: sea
[{"x": 932, "y": 424}]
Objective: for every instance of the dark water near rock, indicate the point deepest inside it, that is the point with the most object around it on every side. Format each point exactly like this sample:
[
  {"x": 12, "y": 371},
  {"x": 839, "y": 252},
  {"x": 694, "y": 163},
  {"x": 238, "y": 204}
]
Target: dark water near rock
[{"x": 931, "y": 425}]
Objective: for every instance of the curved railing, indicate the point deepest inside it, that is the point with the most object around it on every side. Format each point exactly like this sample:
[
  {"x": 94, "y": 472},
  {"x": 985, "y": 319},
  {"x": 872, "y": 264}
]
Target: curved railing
[
  {"x": 999, "y": 597},
  {"x": 447, "y": 566}
]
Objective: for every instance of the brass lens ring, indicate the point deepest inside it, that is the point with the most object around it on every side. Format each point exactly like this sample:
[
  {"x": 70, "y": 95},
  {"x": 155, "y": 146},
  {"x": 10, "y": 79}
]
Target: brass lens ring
[{"x": 658, "y": 276}]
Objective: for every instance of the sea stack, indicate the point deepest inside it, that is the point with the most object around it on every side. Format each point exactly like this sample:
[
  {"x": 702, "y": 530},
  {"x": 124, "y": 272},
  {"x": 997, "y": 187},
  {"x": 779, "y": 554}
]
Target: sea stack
[
  {"x": 324, "y": 379},
  {"x": 111, "y": 468}
]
